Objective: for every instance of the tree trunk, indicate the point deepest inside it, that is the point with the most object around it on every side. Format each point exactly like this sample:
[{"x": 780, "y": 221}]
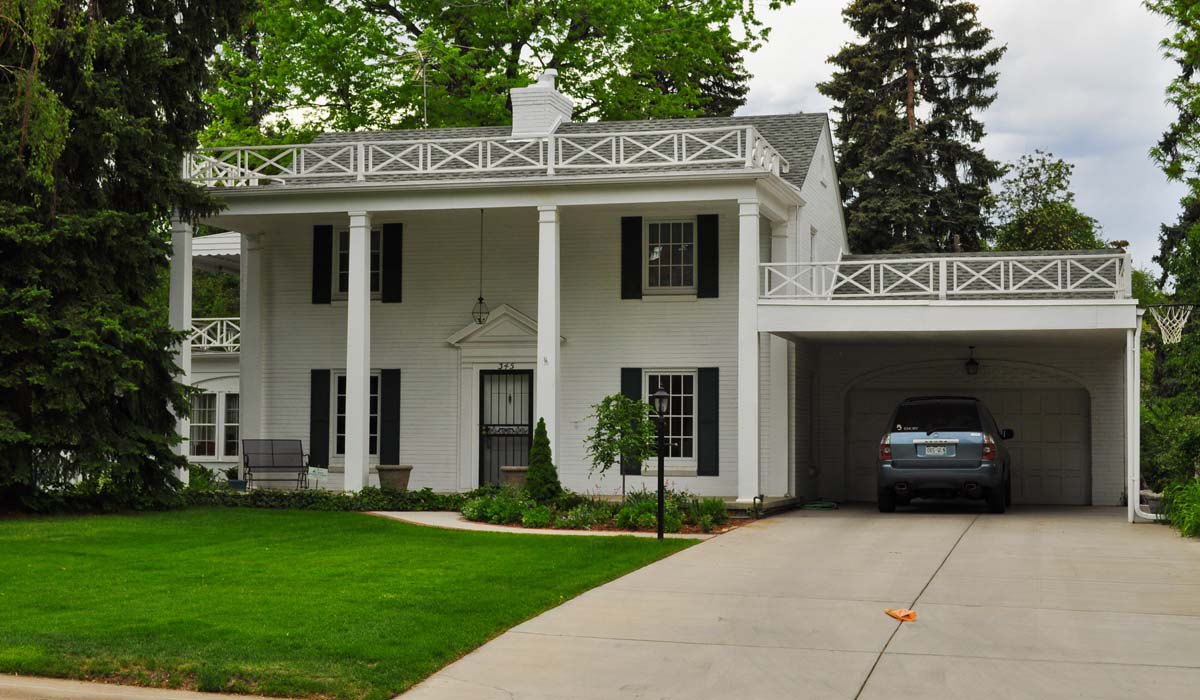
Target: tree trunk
[{"x": 910, "y": 102}]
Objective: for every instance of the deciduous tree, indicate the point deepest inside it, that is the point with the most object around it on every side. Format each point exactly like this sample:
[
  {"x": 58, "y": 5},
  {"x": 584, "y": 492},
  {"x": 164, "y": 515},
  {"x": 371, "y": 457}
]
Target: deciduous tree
[{"x": 1035, "y": 208}]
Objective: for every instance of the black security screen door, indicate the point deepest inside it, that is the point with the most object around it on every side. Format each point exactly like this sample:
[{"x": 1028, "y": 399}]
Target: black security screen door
[{"x": 505, "y": 421}]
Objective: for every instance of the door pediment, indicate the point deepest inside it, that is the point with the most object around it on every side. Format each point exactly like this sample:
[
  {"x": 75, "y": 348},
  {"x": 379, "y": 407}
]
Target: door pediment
[{"x": 505, "y": 326}]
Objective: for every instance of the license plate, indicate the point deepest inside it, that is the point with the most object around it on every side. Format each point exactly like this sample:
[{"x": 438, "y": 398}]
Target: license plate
[{"x": 937, "y": 451}]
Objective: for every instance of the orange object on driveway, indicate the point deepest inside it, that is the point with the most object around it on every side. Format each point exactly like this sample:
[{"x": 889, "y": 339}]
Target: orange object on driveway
[{"x": 903, "y": 614}]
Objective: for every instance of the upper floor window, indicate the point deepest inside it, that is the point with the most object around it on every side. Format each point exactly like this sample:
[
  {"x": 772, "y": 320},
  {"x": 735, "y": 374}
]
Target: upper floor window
[
  {"x": 341, "y": 257},
  {"x": 670, "y": 255}
]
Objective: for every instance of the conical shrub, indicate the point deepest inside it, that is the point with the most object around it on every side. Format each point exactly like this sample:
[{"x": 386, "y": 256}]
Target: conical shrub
[{"x": 541, "y": 480}]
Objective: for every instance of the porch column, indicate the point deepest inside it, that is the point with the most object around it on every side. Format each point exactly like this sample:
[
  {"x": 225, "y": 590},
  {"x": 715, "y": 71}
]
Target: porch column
[
  {"x": 358, "y": 354},
  {"x": 779, "y": 426},
  {"x": 181, "y": 312},
  {"x": 1133, "y": 423},
  {"x": 747, "y": 353},
  {"x": 547, "y": 373},
  {"x": 250, "y": 350}
]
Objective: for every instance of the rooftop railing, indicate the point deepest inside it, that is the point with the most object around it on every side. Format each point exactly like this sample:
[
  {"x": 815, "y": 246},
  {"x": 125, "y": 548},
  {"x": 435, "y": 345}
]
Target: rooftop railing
[
  {"x": 1042, "y": 275},
  {"x": 216, "y": 335},
  {"x": 242, "y": 166}
]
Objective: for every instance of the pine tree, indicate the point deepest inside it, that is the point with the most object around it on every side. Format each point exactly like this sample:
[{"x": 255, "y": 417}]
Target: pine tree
[
  {"x": 907, "y": 96},
  {"x": 541, "y": 480},
  {"x": 98, "y": 103}
]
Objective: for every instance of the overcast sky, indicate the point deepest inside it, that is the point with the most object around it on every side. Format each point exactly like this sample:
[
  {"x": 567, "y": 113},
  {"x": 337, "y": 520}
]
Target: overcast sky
[{"x": 1083, "y": 79}]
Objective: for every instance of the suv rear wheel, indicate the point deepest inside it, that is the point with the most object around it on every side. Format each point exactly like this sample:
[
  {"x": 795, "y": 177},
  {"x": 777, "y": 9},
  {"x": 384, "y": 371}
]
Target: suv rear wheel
[{"x": 887, "y": 501}]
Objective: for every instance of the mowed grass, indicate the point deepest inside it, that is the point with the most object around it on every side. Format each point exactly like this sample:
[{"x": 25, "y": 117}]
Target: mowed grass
[{"x": 340, "y": 605}]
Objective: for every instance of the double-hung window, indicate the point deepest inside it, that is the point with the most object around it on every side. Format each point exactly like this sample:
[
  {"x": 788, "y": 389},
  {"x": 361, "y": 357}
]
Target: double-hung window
[
  {"x": 215, "y": 426},
  {"x": 680, "y": 432},
  {"x": 341, "y": 277},
  {"x": 339, "y": 418},
  {"x": 670, "y": 257}
]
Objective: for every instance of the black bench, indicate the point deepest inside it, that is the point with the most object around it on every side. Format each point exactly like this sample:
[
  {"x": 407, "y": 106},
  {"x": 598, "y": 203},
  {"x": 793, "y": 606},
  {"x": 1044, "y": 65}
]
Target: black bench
[{"x": 275, "y": 461}]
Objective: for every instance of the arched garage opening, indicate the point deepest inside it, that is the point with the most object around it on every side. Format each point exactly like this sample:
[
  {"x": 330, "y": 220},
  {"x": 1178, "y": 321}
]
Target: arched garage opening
[{"x": 1049, "y": 410}]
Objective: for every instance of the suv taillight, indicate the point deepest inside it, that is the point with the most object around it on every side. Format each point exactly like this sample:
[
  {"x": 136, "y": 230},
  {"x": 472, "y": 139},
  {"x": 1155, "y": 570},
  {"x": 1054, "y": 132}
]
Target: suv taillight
[
  {"x": 989, "y": 447},
  {"x": 885, "y": 447}
]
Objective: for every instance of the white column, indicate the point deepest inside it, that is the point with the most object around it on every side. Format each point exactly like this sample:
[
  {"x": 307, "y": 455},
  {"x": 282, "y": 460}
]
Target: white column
[
  {"x": 747, "y": 355},
  {"x": 546, "y": 376},
  {"x": 181, "y": 310},
  {"x": 250, "y": 354},
  {"x": 779, "y": 431},
  {"x": 1133, "y": 423},
  {"x": 358, "y": 354}
]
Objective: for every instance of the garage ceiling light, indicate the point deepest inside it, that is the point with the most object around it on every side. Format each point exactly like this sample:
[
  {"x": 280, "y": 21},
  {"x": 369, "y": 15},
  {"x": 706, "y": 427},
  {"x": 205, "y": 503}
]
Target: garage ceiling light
[{"x": 972, "y": 365}]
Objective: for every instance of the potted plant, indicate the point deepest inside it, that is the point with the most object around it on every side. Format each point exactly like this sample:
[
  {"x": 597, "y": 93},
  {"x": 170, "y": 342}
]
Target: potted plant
[
  {"x": 394, "y": 477},
  {"x": 233, "y": 480}
]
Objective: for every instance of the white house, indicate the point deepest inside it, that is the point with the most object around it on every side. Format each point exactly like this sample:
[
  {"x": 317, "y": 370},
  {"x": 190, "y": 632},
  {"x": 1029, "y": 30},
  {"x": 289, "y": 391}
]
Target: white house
[{"x": 708, "y": 255}]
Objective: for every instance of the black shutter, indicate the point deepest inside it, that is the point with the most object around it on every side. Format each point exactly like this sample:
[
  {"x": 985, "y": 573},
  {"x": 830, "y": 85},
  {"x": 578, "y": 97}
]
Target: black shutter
[
  {"x": 708, "y": 394},
  {"x": 707, "y": 256},
  {"x": 631, "y": 386},
  {"x": 389, "y": 416},
  {"x": 318, "y": 418},
  {"x": 322, "y": 271},
  {"x": 631, "y": 257},
  {"x": 391, "y": 265}
]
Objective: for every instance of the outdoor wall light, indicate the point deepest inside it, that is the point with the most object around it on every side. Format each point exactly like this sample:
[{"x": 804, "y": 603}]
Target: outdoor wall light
[{"x": 972, "y": 365}]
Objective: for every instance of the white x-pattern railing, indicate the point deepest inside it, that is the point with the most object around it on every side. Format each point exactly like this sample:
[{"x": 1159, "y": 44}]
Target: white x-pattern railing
[
  {"x": 241, "y": 166},
  {"x": 1016, "y": 276},
  {"x": 216, "y": 334}
]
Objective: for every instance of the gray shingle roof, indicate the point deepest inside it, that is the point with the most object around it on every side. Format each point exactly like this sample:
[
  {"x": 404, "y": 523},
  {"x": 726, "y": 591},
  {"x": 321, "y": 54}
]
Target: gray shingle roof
[{"x": 795, "y": 136}]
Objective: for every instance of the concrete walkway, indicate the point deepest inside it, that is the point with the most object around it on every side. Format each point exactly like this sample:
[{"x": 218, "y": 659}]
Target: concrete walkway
[
  {"x": 1047, "y": 603},
  {"x": 455, "y": 521},
  {"x": 34, "y": 688}
]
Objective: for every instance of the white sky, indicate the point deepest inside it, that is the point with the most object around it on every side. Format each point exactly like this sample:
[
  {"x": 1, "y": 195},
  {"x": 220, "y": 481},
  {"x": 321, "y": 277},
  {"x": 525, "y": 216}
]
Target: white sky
[{"x": 1083, "y": 79}]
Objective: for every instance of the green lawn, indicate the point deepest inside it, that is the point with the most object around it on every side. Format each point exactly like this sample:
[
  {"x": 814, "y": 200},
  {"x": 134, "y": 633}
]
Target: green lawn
[{"x": 339, "y": 605}]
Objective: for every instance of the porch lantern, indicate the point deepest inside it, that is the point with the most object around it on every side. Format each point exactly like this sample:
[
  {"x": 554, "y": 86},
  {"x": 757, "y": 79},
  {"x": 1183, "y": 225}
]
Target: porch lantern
[
  {"x": 661, "y": 401},
  {"x": 971, "y": 365},
  {"x": 480, "y": 311}
]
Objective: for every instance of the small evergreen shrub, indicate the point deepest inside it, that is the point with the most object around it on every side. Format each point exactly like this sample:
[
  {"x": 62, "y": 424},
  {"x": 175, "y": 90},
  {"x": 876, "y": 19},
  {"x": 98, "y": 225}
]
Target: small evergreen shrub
[
  {"x": 1181, "y": 506},
  {"x": 541, "y": 479},
  {"x": 537, "y": 516}
]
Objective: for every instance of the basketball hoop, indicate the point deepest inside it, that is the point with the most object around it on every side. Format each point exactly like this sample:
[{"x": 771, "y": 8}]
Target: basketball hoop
[{"x": 1171, "y": 318}]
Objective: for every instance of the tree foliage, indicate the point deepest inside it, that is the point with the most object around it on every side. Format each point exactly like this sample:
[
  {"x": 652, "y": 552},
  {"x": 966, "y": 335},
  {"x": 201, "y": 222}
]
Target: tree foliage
[
  {"x": 541, "y": 479},
  {"x": 907, "y": 96},
  {"x": 298, "y": 65},
  {"x": 98, "y": 103},
  {"x": 623, "y": 433},
  {"x": 1035, "y": 208}
]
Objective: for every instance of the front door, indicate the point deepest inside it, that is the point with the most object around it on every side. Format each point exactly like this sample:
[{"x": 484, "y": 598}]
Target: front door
[{"x": 505, "y": 421}]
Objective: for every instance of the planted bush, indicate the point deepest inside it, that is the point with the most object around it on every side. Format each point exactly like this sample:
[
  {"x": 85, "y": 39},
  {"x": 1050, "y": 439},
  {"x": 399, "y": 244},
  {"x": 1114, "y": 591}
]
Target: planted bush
[
  {"x": 1181, "y": 506},
  {"x": 538, "y": 517},
  {"x": 541, "y": 479},
  {"x": 369, "y": 498},
  {"x": 588, "y": 515}
]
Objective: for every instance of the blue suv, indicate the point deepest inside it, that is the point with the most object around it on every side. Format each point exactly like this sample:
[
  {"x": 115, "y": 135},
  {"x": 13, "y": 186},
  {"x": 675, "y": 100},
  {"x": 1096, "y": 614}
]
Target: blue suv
[{"x": 944, "y": 447}]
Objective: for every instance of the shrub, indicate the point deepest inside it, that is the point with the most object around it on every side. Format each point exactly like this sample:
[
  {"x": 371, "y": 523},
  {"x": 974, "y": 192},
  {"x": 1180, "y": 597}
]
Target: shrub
[
  {"x": 586, "y": 515},
  {"x": 640, "y": 512},
  {"x": 369, "y": 498},
  {"x": 201, "y": 478},
  {"x": 537, "y": 516},
  {"x": 504, "y": 507},
  {"x": 476, "y": 509},
  {"x": 1181, "y": 506},
  {"x": 541, "y": 479},
  {"x": 711, "y": 509}
]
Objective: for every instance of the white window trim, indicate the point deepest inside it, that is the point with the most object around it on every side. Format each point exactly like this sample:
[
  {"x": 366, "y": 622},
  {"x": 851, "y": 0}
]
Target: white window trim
[
  {"x": 339, "y": 458},
  {"x": 677, "y": 466},
  {"x": 220, "y": 455},
  {"x": 335, "y": 293},
  {"x": 687, "y": 292}
]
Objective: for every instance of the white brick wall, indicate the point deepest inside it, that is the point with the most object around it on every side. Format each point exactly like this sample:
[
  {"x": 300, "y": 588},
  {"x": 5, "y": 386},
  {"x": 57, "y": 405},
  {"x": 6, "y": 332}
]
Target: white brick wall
[{"x": 936, "y": 369}]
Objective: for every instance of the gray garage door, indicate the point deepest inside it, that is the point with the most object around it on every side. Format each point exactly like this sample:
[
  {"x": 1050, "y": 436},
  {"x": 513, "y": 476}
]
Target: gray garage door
[{"x": 1051, "y": 453}]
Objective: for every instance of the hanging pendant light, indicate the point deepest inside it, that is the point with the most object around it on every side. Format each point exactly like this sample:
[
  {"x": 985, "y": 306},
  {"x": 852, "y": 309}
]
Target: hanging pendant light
[{"x": 481, "y": 311}]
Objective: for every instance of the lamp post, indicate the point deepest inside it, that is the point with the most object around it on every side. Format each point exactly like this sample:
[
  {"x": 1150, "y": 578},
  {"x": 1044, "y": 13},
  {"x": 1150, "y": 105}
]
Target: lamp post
[{"x": 660, "y": 399}]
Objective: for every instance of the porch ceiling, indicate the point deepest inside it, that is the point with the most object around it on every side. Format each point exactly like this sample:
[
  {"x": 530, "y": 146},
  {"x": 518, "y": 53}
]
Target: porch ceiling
[{"x": 1107, "y": 338}]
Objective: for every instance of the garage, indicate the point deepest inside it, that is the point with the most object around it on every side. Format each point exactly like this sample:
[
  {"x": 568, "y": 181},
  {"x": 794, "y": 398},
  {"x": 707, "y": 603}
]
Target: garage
[
  {"x": 1051, "y": 455},
  {"x": 1062, "y": 396}
]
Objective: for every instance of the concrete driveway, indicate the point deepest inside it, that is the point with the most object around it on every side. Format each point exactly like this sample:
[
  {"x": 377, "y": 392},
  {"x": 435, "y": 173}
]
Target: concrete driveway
[{"x": 1046, "y": 603}]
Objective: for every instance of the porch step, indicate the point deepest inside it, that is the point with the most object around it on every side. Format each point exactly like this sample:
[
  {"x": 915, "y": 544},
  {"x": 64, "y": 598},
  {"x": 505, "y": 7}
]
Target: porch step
[{"x": 770, "y": 505}]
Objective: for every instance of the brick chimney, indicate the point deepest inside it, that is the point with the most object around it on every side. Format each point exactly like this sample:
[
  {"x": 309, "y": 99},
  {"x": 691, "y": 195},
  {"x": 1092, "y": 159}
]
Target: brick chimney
[{"x": 540, "y": 108}]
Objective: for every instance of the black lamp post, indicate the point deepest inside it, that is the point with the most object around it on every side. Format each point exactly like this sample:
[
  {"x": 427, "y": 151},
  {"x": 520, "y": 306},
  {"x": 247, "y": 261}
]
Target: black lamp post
[{"x": 660, "y": 399}]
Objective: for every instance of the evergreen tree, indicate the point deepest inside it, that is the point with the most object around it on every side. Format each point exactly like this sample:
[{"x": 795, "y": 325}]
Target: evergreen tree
[
  {"x": 541, "y": 479},
  {"x": 98, "y": 103},
  {"x": 907, "y": 97}
]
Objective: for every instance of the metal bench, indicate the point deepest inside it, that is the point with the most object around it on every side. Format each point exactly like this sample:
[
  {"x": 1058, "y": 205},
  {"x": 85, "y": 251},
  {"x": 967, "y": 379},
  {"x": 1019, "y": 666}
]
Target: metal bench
[{"x": 275, "y": 461}]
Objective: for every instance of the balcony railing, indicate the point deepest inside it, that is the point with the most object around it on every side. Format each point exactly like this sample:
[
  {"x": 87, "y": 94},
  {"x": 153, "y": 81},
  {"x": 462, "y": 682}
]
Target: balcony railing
[
  {"x": 216, "y": 335},
  {"x": 1083, "y": 276},
  {"x": 242, "y": 166}
]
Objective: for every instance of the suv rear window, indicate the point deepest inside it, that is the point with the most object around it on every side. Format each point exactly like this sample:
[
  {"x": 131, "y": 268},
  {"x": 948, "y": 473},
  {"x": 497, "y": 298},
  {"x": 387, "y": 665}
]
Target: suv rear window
[{"x": 927, "y": 416}]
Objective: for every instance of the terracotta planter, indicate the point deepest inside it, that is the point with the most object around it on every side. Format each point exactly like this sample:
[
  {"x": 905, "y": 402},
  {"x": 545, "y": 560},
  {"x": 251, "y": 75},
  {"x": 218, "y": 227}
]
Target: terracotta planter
[
  {"x": 394, "y": 477},
  {"x": 513, "y": 476}
]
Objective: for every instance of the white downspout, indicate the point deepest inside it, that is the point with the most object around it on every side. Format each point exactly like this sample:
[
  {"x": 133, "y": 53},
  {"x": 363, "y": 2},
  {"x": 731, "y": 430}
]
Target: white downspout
[{"x": 1133, "y": 422}]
